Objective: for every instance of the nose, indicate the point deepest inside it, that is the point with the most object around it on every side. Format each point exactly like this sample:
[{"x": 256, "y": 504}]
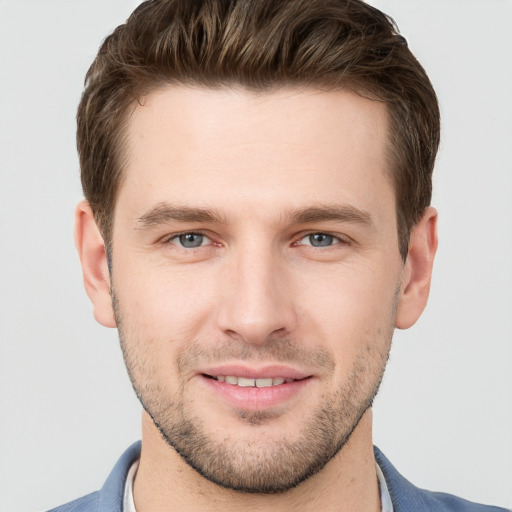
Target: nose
[{"x": 257, "y": 297}]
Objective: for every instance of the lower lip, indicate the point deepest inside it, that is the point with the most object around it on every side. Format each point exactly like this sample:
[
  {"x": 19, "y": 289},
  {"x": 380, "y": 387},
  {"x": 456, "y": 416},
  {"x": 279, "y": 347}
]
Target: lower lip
[{"x": 253, "y": 398}]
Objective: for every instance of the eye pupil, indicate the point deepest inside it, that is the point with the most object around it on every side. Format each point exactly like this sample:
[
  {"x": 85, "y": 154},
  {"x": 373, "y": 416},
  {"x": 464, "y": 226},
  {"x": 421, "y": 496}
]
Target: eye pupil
[
  {"x": 321, "y": 240},
  {"x": 191, "y": 240}
]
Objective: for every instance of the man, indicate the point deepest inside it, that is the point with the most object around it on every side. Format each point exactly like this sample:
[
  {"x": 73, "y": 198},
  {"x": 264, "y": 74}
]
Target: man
[{"x": 257, "y": 179}]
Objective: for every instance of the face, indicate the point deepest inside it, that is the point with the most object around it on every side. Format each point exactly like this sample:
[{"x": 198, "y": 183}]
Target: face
[{"x": 255, "y": 275}]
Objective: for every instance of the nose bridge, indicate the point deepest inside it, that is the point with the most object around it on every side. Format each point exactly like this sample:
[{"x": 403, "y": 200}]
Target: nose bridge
[{"x": 257, "y": 300}]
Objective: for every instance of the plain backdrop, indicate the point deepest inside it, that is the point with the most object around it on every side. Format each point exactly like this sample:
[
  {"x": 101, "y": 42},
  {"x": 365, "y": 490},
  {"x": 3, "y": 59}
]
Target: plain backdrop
[{"x": 444, "y": 415}]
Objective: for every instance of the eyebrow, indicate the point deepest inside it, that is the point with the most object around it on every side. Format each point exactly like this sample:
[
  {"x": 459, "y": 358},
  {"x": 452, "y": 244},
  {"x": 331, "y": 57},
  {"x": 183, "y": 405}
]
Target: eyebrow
[
  {"x": 164, "y": 213},
  {"x": 340, "y": 213}
]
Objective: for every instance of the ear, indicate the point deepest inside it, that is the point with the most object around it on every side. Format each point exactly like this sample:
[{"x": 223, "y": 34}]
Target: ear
[
  {"x": 93, "y": 256},
  {"x": 417, "y": 272}
]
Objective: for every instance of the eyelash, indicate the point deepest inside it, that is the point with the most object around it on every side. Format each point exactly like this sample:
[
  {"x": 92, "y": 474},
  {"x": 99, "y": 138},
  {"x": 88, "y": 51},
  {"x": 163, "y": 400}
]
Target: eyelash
[
  {"x": 169, "y": 240},
  {"x": 338, "y": 240}
]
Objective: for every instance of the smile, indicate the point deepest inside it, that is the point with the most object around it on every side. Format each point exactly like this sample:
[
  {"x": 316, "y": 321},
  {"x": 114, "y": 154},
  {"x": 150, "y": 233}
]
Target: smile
[
  {"x": 245, "y": 382},
  {"x": 256, "y": 389}
]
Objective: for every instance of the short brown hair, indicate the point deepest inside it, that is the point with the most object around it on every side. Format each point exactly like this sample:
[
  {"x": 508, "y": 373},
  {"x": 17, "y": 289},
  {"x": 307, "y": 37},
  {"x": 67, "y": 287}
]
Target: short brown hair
[{"x": 259, "y": 45}]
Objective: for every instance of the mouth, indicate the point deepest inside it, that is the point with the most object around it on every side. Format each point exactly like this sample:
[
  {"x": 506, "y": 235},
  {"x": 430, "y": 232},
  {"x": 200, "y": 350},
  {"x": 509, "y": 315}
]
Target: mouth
[
  {"x": 245, "y": 382},
  {"x": 251, "y": 389}
]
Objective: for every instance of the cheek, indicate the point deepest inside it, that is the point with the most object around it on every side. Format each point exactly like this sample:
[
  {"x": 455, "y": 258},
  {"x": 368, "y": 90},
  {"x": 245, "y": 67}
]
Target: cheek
[
  {"x": 163, "y": 303},
  {"x": 352, "y": 309}
]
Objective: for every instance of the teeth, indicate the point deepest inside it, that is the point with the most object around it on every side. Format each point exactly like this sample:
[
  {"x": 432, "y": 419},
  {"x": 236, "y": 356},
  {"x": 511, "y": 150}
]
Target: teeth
[
  {"x": 251, "y": 383},
  {"x": 245, "y": 383},
  {"x": 264, "y": 383}
]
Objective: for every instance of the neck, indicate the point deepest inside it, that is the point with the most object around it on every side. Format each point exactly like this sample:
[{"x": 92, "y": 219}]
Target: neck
[{"x": 165, "y": 483}]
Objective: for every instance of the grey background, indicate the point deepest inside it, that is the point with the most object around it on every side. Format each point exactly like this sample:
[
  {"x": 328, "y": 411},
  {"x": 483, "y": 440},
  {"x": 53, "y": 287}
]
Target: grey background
[{"x": 67, "y": 410}]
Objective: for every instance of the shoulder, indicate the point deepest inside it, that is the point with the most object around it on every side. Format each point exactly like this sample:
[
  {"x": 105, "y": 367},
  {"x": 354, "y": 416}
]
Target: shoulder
[
  {"x": 406, "y": 497},
  {"x": 110, "y": 497},
  {"x": 452, "y": 503},
  {"x": 88, "y": 503}
]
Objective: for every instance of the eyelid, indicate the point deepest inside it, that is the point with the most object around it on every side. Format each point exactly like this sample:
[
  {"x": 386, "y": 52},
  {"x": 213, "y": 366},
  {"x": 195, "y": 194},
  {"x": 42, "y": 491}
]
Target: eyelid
[
  {"x": 341, "y": 239},
  {"x": 169, "y": 238}
]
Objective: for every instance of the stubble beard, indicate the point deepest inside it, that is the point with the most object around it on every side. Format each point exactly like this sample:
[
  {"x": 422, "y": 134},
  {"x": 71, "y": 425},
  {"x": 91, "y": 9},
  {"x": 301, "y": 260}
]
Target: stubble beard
[{"x": 259, "y": 464}]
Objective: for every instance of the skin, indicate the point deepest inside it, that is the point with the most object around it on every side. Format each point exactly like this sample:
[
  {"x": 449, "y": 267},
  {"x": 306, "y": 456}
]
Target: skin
[{"x": 256, "y": 292}]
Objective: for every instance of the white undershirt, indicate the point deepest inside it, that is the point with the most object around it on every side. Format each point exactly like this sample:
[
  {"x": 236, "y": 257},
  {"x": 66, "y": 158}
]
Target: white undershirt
[
  {"x": 386, "y": 505},
  {"x": 129, "y": 505}
]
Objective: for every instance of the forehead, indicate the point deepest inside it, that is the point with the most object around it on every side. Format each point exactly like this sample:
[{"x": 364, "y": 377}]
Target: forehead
[{"x": 274, "y": 148}]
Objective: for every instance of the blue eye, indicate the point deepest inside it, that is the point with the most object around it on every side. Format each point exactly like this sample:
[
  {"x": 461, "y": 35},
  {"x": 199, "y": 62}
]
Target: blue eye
[
  {"x": 319, "y": 240},
  {"x": 190, "y": 240}
]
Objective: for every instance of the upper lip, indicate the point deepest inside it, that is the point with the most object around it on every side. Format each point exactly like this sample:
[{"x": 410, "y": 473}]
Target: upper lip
[{"x": 255, "y": 372}]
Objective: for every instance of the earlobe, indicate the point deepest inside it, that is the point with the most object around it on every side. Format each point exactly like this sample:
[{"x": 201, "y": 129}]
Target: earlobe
[
  {"x": 93, "y": 257},
  {"x": 417, "y": 272}
]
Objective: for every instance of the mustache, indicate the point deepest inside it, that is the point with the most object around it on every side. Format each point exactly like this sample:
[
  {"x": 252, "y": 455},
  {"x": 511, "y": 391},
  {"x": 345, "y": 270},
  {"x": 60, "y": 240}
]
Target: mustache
[{"x": 276, "y": 350}]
